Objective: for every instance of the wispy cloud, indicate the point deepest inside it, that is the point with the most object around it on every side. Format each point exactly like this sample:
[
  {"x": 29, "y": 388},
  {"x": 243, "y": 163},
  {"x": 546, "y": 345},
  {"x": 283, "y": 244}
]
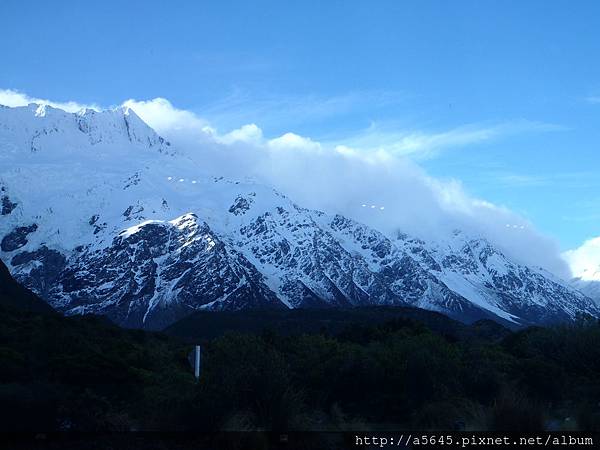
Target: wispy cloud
[
  {"x": 520, "y": 180},
  {"x": 424, "y": 145},
  {"x": 241, "y": 106},
  {"x": 588, "y": 210},
  {"x": 594, "y": 99},
  {"x": 578, "y": 180},
  {"x": 582, "y": 218}
]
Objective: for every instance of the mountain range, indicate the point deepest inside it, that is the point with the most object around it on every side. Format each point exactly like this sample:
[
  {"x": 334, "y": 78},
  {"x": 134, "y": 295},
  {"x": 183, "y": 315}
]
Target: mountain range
[{"x": 99, "y": 214}]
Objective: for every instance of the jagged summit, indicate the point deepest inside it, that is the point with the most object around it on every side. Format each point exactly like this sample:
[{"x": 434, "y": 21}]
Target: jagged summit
[
  {"x": 42, "y": 128},
  {"x": 99, "y": 214}
]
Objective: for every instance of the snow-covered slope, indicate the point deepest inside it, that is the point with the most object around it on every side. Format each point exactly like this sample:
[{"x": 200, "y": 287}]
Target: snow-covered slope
[{"x": 100, "y": 214}]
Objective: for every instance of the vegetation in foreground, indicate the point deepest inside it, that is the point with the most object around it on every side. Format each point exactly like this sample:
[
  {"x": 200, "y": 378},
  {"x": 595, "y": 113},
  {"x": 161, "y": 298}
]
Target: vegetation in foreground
[{"x": 83, "y": 373}]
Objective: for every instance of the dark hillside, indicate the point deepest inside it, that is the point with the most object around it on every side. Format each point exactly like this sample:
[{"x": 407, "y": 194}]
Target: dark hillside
[
  {"x": 15, "y": 296},
  {"x": 204, "y": 325},
  {"x": 368, "y": 369}
]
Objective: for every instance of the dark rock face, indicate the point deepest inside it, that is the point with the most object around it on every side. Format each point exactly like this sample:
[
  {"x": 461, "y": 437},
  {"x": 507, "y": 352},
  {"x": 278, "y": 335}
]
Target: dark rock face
[
  {"x": 6, "y": 205},
  {"x": 240, "y": 205},
  {"x": 16, "y": 238},
  {"x": 160, "y": 272},
  {"x": 94, "y": 222},
  {"x": 134, "y": 212},
  {"x": 39, "y": 269}
]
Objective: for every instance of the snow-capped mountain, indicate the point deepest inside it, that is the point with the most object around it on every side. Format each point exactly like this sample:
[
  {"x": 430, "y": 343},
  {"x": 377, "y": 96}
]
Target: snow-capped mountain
[{"x": 100, "y": 214}]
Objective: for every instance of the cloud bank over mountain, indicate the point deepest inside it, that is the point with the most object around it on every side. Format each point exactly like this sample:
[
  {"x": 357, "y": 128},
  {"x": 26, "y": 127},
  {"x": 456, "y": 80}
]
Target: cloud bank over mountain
[
  {"x": 369, "y": 179},
  {"x": 585, "y": 260}
]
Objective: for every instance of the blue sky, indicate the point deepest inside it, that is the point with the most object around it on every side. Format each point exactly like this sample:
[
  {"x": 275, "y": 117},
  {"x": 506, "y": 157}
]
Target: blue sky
[{"x": 508, "y": 91}]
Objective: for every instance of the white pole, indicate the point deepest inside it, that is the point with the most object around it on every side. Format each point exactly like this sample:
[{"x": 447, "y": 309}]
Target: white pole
[{"x": 197, "y": 363}]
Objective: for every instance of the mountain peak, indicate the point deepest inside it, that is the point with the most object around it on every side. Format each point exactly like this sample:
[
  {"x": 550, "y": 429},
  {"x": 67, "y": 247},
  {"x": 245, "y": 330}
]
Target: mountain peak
[{"x": 40, "y": 127}]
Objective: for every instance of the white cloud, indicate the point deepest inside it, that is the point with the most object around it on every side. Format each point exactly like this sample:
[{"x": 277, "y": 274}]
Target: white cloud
[
  {"x": 13, "y": 98},
  {"x": 161, "y": 115},
  {"x": 248, "y": 133},
  {"x": 341, "y": 176},
  {"x": 585, "y": 260},
  {"x": 292, "y": 141},
  {"x": 370, "y": 169}
]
